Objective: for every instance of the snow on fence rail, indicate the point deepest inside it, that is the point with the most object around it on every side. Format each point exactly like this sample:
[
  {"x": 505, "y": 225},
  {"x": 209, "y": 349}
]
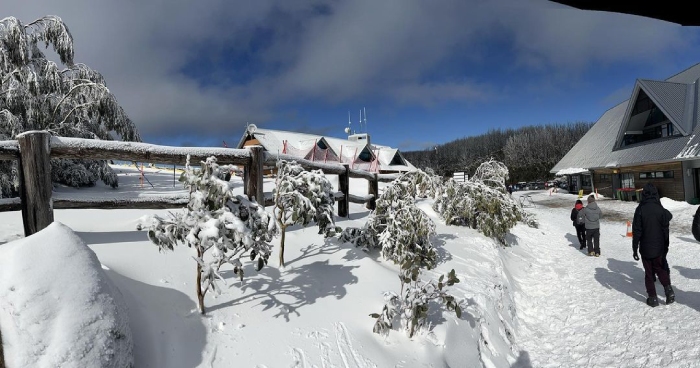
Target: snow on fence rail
[{"x": 34, "y": 150}]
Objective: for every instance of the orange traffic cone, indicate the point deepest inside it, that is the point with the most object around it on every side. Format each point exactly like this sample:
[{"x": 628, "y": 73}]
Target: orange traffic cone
[{"x": 629, "y": 229}]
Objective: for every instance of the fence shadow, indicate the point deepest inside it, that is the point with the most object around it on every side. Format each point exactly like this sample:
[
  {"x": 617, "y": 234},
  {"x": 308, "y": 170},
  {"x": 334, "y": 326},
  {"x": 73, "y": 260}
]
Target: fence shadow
[
  {"x": 109, "y": 237},
  {"x": 159, "y": 318}
]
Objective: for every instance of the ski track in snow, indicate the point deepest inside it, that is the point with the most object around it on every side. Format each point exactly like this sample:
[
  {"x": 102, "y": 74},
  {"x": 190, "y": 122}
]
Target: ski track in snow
[
  {"x": 581, "y": 311},
  {"x": 346, "y": 352}
]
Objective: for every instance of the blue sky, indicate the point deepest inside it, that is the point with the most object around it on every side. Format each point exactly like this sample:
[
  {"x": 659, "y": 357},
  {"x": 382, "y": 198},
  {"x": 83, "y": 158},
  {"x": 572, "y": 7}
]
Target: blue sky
[{"x": 427, "y": 72}]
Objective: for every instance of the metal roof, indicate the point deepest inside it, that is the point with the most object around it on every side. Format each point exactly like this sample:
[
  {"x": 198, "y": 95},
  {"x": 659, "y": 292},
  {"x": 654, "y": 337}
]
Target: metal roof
[
  {"x": 301, "y": 145},
  {"x": 677, "y": 97},
  {"x": 670, "y": 98}
]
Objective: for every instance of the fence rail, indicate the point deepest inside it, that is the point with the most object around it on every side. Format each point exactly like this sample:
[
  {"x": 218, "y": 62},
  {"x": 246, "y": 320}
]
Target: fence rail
[{"x": 34, "y": 150}]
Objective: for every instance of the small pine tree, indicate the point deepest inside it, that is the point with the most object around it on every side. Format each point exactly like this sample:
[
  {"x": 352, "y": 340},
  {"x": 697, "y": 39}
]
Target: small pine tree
[
  {"x": 221, "y": 227},
  {"x": 302, "y": 197}
]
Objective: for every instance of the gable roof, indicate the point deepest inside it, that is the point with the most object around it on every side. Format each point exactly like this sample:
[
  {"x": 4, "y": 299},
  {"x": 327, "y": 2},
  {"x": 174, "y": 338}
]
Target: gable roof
[
  {"x": 678, "y": 99},
  {"x": 302, "y": 145},
  {"x": 670, "y": 97}
]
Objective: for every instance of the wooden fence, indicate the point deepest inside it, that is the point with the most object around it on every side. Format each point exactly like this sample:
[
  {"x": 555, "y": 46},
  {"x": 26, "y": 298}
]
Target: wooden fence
[{"x": 34, "y": 150}]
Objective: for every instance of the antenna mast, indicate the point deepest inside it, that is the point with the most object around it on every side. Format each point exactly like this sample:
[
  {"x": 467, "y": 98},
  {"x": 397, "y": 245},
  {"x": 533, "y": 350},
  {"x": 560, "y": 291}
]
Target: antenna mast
[
  {"x": 365, "y": 111},
  {"x": 360, "y": 120}
]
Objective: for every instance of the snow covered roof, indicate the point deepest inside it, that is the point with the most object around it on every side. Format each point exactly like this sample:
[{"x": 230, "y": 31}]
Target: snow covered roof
[
  {"x": 678, "y": 97},
  {"x": 384, "y": 158},
  {"x": 572, "y": 171}
]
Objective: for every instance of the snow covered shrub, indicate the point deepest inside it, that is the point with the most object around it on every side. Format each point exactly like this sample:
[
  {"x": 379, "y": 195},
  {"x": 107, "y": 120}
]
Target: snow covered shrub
[
  {"x": 492, "y": 173},
  {"x": 82, "y": 173},
  {"x": 482, "y": 202},
  {"x": 302, "y": 197},
  {"x": 220, "y": 227},
  {"x": 397, "y": 204},
  {"x": 411, "y": 305},
  {"x": 9, "y": 179},
  {"x": 407, "y": 238}
]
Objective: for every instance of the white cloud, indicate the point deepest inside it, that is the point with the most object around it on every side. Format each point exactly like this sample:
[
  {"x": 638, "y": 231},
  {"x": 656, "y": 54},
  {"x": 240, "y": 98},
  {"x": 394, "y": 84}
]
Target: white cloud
[{"x": 332, "y": 51}]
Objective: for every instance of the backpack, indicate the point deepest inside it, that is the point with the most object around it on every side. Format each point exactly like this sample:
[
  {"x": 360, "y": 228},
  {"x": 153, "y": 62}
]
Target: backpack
[{"x": 580, "y": 219}]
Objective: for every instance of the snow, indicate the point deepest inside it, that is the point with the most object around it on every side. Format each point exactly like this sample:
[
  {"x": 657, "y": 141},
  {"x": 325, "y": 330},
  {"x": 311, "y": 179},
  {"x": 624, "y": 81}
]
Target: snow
[
  {"x": 145, "y": 148},
  {"x": 541, "y": 302},
  {"x": 571, "y": 171},
  {"x": 57, "y": 306}
]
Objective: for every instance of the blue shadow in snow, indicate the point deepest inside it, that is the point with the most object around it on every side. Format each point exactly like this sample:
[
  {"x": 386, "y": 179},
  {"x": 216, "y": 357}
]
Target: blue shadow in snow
[{"x": 164, "y": 331}]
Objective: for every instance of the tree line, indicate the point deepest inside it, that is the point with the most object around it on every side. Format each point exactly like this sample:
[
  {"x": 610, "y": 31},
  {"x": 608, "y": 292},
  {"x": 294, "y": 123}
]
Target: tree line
[{"x": 528, "y": 152}]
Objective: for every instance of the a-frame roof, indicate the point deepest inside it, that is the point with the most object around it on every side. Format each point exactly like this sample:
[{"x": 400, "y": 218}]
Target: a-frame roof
[
  {"x": 678, "y": 99},
  {"x": 300, "y": 144}
]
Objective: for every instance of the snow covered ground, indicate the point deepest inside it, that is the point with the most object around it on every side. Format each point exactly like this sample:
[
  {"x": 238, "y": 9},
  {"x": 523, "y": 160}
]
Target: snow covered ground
[{"x": 539, "y": 303}]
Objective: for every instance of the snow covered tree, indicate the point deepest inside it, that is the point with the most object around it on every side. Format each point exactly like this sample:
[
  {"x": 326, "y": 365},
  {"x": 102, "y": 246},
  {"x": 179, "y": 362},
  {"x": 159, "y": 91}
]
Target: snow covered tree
[
  {"x": 405, "y": 239},
  {"x": 302, "y": 197},
  {"x": 221, "y": 227},
  {"x": 492, "y": 173},
  {"x": 36, "y": 94},
  {"x": 402, "y": 192},
  {"x": 482, "y": 202}
]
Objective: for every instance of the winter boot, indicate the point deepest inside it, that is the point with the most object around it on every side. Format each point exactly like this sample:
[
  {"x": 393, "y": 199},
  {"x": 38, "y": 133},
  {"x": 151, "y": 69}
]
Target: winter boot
[
  {"x": 653, "y": 301},
  {"x": 582, "y": 246},
  {"x": 670, "y": 295}
]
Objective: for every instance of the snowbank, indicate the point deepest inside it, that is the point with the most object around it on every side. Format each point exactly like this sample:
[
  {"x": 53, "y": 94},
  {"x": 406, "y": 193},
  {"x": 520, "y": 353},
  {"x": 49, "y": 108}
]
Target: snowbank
[{"x": 57, "y": 306}]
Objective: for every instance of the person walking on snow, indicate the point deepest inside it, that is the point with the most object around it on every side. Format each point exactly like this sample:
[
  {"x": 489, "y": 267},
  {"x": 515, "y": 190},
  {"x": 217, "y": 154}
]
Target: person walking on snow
[
  {"x": 592, "y": 215},
  {"x": 579, "y": 223},
  {"x": 650, "y": 234}
]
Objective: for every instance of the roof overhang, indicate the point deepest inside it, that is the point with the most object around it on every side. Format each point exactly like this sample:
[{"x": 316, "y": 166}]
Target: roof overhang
[
  {"x": 572, "y": 171},
  {"x": 670, "y": 11}
]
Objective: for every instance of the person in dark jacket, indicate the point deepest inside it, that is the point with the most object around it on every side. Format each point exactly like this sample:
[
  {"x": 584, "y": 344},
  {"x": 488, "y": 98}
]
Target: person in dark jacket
[
  {"x": 580, "y": 228},
  {"x": 592, "y": 215},
  {"x": 650, "y": 234},
  {"x": 696, "y": 225}
]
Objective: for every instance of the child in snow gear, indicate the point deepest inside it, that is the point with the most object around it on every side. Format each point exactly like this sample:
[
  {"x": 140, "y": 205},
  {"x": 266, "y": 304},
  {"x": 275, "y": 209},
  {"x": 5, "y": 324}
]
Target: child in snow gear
[
  {"x": 650, "y": 229},
  {"x": 592, "y": 215},
  {"x": 579, "y": 223}
]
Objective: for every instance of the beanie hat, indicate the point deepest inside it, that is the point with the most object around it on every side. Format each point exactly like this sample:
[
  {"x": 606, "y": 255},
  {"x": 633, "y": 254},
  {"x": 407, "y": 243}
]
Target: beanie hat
[{"x": 591, "y": 198}]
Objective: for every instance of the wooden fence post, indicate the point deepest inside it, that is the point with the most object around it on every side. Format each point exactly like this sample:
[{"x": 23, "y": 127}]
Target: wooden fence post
[
  {"x": 344, "y": 186},
  {"x": 254, "y": 175},
  {"x": 35, "y": 180},
  {"x": 373, "y": 189}
]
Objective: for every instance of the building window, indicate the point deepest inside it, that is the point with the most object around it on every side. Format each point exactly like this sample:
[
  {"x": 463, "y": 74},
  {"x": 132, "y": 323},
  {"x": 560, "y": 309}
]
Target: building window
[
  {"x": 604, "y": 177},
  {"x": 656, "y": 175},
  {"x": 627, "y": 180},
  {"x": 585, "y": 180},
  {"x": 365, "y": 156}
]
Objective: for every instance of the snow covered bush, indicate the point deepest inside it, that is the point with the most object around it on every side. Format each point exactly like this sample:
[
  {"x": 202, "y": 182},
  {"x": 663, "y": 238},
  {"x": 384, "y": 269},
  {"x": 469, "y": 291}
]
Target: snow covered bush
[
  {"x": 481, "y": 202},
  {"x": 82, "y": 173},
  {"x": 411, "y": 306},
  {"x": 221, "y": 227},
  {"x": 493, "y": 174},
  {"x": 395, "y": 208},
  {"x": 36, "y": 94},
  {"x": 302, "y": 197}
]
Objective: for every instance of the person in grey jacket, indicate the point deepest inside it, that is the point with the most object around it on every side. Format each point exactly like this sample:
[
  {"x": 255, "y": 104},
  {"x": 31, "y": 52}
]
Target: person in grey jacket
[{"x": 592, "y": 214}]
